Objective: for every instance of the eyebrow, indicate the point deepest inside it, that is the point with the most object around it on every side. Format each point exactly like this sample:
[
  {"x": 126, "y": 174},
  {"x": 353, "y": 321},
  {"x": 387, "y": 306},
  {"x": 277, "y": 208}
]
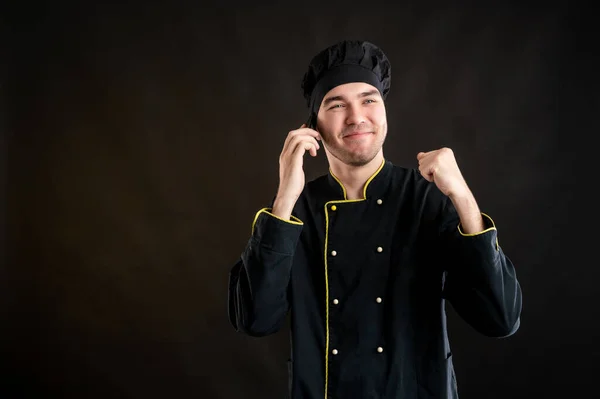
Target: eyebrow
[{"x": 341, "y": 98}]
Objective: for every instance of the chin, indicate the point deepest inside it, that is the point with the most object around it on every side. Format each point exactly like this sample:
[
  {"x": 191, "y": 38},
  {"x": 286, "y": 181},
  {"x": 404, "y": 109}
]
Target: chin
[{"x": 359, "y": 160}]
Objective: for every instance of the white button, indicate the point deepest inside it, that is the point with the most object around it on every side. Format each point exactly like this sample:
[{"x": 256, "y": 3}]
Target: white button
[
  {"x": 333, "y": 253},
  {"x": 380, "y": 349},
  {"x": 335, "y": 301},
  {"x": 379, "y": 202},
  {"x": 378, "y": 300},
  {"x": 335, "y": 352},
  {"x": 379, "y": 249}
]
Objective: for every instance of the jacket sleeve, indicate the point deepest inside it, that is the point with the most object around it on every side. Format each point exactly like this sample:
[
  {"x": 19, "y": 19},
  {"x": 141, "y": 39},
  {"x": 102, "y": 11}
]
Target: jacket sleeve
[
  {"x": 258, "y": 282},
  {"x": 479, "y": 279}
]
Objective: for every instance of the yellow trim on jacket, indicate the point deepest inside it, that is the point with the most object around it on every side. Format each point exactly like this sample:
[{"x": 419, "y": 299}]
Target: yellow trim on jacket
[
  {"x": 293, "y": 219},
  {"x": 483, "y": 231},
  {"x": 344, "y": 201}
]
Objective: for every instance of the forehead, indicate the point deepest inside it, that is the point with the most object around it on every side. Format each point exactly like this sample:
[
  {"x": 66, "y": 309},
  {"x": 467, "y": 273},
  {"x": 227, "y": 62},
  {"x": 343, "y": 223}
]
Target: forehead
[{"x": 349, "y": 90}]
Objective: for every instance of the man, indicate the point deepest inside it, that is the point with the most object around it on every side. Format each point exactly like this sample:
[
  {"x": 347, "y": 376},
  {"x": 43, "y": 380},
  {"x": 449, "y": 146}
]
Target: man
[{"x": 365, "y": 257}]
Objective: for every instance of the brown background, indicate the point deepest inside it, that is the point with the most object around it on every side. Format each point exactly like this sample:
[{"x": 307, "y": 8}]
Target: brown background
[{"x": 139, "y": 140}]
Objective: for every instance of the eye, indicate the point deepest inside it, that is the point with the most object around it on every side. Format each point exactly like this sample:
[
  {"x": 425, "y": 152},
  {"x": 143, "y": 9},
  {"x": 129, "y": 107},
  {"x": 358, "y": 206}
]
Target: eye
[
  {"x": 369, "y": 101},
  {"x": 336, "y": 106}
]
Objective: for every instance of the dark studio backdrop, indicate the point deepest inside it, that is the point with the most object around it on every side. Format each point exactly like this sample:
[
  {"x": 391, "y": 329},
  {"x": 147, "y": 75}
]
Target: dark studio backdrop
[{"x": 139, "y": 140}]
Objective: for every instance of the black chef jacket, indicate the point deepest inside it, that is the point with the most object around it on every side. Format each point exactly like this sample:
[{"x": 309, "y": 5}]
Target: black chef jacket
[{"x": 366, "y": 283}]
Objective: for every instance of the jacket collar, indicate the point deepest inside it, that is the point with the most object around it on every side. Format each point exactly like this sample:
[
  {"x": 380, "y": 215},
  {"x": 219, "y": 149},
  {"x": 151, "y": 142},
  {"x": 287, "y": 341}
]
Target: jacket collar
[{"x": 374, "y": 187}]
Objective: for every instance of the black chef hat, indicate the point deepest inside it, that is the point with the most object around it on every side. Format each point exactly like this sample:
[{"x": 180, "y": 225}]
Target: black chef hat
[{"x": 344, "y": 62}]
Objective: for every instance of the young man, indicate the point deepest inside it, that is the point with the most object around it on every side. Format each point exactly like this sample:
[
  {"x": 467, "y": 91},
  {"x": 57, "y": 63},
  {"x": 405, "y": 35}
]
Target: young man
[{"x": 366, "y": 256}]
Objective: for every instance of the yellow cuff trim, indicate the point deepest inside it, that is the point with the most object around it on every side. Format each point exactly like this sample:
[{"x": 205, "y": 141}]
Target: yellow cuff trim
[
  {"x": 481, "y": 232},
  {"x": 293, "y": 219}
]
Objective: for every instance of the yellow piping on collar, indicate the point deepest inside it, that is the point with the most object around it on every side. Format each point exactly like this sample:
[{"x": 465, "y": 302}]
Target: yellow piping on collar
[{"x": 366, "y": 183}]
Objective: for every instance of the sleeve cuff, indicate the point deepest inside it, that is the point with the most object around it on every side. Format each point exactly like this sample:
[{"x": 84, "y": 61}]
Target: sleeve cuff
[
  {"x": 293, "y": 220},
  {"x": 277, "y": 234},
  {"x": 489, "y": 225}
]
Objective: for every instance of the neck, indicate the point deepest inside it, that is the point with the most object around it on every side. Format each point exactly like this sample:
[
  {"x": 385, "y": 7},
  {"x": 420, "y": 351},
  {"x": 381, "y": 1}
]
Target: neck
[{"x": 353, "y": 178}]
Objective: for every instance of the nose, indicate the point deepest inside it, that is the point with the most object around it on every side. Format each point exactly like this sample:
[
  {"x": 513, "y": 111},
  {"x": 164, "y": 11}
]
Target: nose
[{"x": 355, "y": 115}]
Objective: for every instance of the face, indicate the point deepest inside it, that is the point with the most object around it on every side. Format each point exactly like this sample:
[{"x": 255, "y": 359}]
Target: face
[{"x": 352, "y": 123}]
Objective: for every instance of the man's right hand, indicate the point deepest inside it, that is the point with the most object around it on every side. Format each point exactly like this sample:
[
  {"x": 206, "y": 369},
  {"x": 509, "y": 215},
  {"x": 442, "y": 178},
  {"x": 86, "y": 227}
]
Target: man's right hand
[{"x": 291, "y": 172}]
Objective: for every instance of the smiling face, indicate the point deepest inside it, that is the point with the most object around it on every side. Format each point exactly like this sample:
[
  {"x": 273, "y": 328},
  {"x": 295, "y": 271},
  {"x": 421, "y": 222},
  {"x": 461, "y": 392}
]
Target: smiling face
[{"x": 352, "y": 123}]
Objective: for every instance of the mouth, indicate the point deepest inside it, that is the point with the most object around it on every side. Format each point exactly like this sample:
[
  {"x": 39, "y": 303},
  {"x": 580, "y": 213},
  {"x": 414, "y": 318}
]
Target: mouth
[{"x": 357, "y": 135}]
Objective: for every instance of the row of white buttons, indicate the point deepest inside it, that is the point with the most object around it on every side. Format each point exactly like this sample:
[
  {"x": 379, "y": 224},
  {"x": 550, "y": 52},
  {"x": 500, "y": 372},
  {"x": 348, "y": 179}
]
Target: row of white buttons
[
  {"x": 336, "y": 301},
  {"x": 334, "y": 253},
  {"x": 378, "y": 300},
  {"x": 335, "y": 351}
]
